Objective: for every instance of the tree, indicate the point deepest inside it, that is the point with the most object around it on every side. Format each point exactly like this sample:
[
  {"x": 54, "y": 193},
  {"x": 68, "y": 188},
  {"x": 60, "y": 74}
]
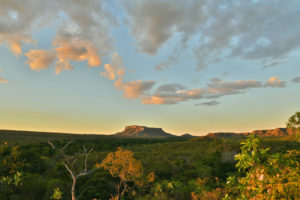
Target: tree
[
  {"x": 122, "y": 164},
  {"x": 264, "y": 176},
  {"x": 11, "y": 167},
  {"x": 57, "y": 194},
  {"x": 294, "y": 123},
  {"x": 70, "y": 162}
]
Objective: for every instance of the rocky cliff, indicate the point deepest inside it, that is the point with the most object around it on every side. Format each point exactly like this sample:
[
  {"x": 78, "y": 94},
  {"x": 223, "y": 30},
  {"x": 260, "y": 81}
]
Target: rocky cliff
[
  {"x": 143, "y": 131},
  {"x": 278, "y": 132}
]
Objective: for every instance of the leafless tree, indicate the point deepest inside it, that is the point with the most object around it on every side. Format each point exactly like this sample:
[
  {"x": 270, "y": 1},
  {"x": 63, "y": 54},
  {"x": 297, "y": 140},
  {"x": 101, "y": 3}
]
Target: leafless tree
[{"x": 70, "y": 163}]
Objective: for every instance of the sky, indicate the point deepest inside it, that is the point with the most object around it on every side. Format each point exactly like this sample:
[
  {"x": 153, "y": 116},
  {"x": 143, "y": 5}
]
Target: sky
[{"x": 192, "y": 66}]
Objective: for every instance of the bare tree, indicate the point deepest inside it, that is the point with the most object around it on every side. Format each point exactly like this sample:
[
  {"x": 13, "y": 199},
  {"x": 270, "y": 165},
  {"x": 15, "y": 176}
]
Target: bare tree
[{"x": 70, "y": 163}]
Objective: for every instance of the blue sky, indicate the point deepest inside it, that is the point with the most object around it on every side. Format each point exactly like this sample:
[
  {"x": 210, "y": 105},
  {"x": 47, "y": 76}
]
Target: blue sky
[{"x": 186, "y": 66}]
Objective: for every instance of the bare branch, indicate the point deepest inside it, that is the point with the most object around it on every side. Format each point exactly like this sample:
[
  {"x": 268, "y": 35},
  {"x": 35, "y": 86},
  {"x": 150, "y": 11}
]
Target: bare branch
[
  {"x": 70, "y": 163},
  {"x": 83, "y": 173},
  {"x": 69, "y": 170},
  {"x": 87, "y": 154},
  {"x": 75, "y": 159},
  {"x": 51, "y": 144}
]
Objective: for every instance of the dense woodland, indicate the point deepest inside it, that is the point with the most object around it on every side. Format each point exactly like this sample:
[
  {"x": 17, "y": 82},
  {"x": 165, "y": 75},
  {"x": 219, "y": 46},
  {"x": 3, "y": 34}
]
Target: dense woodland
[{"x": 149, "y": 168}]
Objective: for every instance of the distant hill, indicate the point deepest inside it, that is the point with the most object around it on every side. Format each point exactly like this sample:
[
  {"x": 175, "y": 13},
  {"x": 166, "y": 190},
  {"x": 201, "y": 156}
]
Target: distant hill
[
  {"x": 187, "y": 135},
  {"x": 278, "y": 132},
  {"x": 36, "y": 136},
  {"x": 143, "y": 131},
  {"x": 132, "y": 132}
]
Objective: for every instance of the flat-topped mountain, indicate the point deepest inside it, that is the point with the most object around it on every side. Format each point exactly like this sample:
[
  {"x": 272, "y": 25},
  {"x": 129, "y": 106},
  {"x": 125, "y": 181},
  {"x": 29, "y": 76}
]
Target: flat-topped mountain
[
  {"x": 278, "y": 132},
  {"x": 143, "y": 131},
  {"x": 187, "y": 135}
]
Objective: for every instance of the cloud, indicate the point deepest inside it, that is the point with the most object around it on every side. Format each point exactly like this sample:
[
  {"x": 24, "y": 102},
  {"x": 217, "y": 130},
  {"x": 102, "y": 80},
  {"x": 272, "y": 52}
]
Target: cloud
[
  {"x": 275, "y": 82},
  {"x": 173, "y": 87},
  {"x": 257, "y": 30},
  {"x": 171, "y": 94},
  {"x": 172, "y": 97},
  {"x": 83, "y": 32},
  {"x": 296, "y": 79},
  {"x": 152, "y": 23},
  {"x": 272, "y": 64},
  {"x": 18, "y": 20},
  {"x": 134, "y": 89},
  {"x": 40, "y": 59},
  {"x": 62, "y": 65},
  {"x": 70, "y": 48},
  {"x": 115, "y": 68},
  {"x": 3, "y": 81},
  {"x": 216, "y": 88},
  {"x": 208, "y": 103}
]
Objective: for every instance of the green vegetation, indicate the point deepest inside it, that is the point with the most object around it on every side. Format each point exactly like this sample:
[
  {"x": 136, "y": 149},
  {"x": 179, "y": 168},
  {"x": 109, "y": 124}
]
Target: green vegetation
[
  {"x": 294, "y": 123},
  {"x": 264, "y": 176},
  {"x": 149, "y": 168},
  {"x": 182, "y": 169}
]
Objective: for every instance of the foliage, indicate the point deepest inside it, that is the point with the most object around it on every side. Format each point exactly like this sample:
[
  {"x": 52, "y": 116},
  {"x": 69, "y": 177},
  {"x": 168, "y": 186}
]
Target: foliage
[
  {"x": 14, "y": 179},
  {"x": 183, "y": 168},
  {"x": 57, "y": 194},
  {"x": 203, "y": 192},
  {"x": 264, "y": 176},
  {"x": 123, "y": 165},
  {"x": 294, "y": 123}
]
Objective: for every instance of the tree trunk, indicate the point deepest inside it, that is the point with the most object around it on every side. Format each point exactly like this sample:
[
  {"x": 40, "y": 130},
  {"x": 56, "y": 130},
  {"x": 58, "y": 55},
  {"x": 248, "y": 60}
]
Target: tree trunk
[{"x": 73, "y": 193}]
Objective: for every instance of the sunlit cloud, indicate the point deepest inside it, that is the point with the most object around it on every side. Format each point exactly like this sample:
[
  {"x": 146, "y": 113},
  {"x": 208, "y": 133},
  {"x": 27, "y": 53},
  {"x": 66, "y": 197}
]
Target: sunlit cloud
[
  {"x": 71, "y": 49},
  {"x": 3, "y": 81},
  {"x": 115, "y": 68},
  {"x": 275, "y": 82},
  {"x": 83, "y": 33},
  {"x": 216, "y": 88},
  {"x": 40, "y": 59},
  {"x": 134, "y": 89}
]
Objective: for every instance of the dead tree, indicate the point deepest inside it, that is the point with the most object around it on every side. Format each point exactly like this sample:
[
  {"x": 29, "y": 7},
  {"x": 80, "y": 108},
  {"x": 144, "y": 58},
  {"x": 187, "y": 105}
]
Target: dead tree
[{"x": 70, "y": 162}]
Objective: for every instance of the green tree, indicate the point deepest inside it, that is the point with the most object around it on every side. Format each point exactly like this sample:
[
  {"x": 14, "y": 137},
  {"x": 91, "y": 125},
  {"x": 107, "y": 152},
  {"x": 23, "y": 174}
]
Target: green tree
[
  {"x": 11, "y": 167},
  {"x": 264, "y": 176},
  {"x": 294, "y": 123},
  {"x": 57, "y": 194}
]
